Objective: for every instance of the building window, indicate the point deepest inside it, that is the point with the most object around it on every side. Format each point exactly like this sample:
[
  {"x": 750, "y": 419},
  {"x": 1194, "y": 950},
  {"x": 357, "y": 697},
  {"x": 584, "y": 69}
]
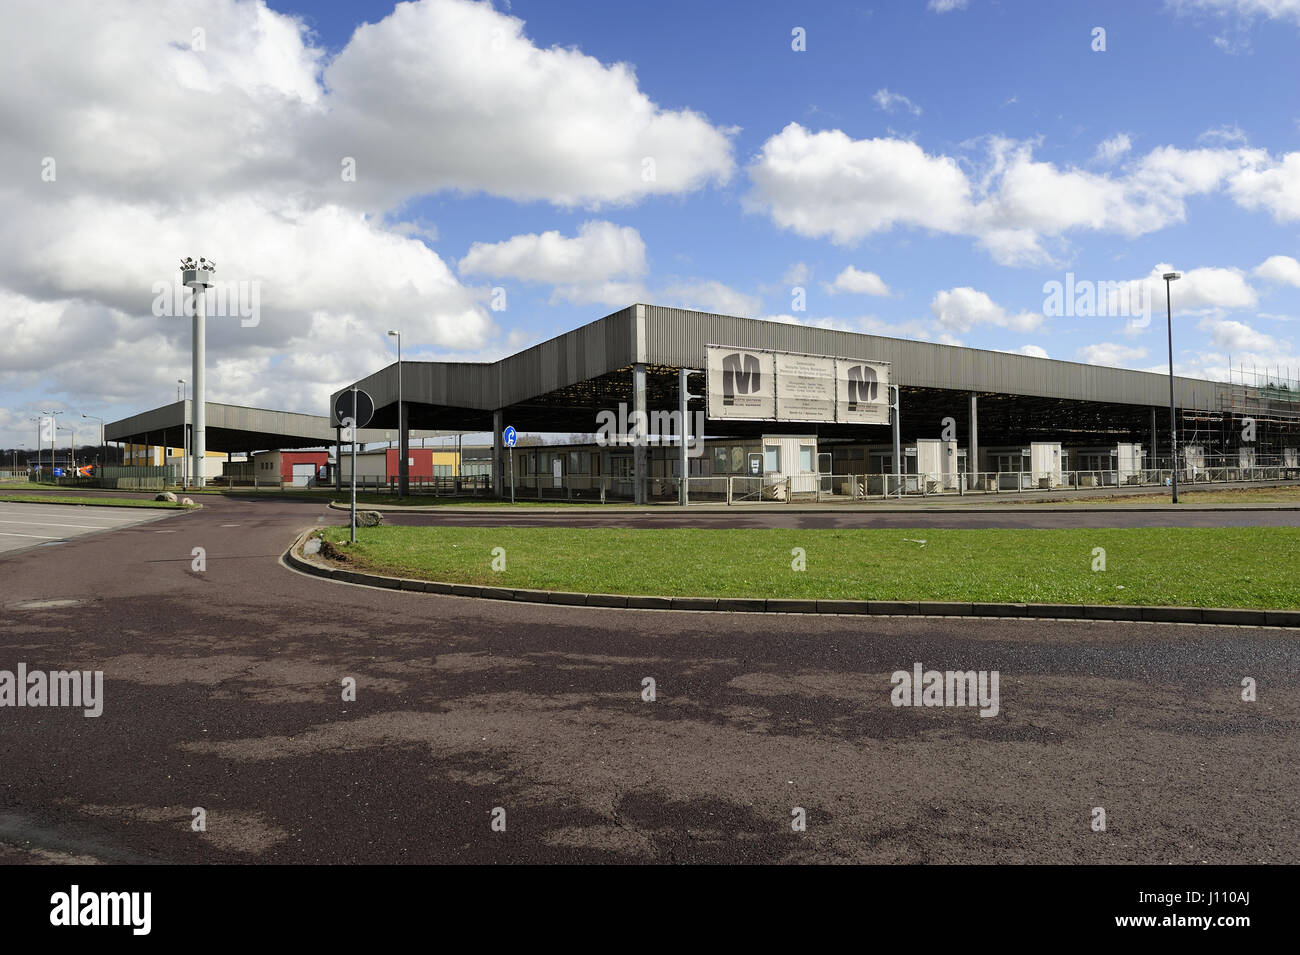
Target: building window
[
  {"x": 772, "y": 458},
  {"x": 738, "y": 459},
  {"x": 805, "y": 458}
]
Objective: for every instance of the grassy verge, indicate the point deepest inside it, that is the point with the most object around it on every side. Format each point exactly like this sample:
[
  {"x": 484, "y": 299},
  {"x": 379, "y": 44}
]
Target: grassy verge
[
  {"x": 1200, "y": 496},
  {"x": 94, "y": 501},
  {"x": 1229, "y": 567}
]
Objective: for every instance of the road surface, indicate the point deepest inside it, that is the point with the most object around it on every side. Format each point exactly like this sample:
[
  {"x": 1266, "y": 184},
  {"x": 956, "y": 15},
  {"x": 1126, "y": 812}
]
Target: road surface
[{"x": 223, "y": 692}]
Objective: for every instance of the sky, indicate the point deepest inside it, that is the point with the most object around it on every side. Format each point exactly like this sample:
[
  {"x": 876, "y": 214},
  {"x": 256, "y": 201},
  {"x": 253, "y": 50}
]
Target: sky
[{"x": 484, "y": 176}]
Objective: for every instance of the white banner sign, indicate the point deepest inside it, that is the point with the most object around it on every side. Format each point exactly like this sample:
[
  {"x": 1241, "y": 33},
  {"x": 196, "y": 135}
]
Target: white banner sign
[
  {"x": 742, "y": 383},
  {"x": 861, "y": 392},
  {"x": 805, "y": 387},
  {"x": 47, "y": 430},
  {"x": 757, "y": 385}
]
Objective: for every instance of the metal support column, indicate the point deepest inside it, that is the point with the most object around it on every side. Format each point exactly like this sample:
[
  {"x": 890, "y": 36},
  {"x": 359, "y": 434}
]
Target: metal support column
[
  {"x": 973, "y": 453},
  {"x": 684, "y": 496},
  {"x": 498, "y": 483},
  {"x": 898, "y": 454},
  {"x": 639, "y": 470},
  {"x": 1155, "y": 444},
  {"x": 403, "y": 451}
]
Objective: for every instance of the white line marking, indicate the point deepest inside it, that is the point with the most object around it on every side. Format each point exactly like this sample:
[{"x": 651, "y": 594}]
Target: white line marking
[
  {"x": 55, "y": 524},
  {"x": 41, "y": 536}
]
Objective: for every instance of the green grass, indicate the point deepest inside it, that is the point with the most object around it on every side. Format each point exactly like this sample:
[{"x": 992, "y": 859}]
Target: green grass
[
  {"x": 95, "y": 501},
  {"x": 1227, "y": 567}
]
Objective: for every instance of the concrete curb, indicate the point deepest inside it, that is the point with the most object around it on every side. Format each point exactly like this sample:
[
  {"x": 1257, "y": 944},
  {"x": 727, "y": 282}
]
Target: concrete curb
[{"x": 1222, "y": 616}]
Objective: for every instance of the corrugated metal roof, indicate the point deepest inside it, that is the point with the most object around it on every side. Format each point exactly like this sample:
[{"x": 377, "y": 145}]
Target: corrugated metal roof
[{"x": 676, "y": 337}]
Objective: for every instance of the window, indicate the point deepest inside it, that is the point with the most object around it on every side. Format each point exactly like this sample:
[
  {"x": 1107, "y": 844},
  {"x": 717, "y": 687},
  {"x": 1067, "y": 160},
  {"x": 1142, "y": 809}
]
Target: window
[
  {"x": 772, "y": 458},
  {"x": 720, "y": 460},
  {"x": 738, "y": 465},
  {"x": 805, "y": 458}
]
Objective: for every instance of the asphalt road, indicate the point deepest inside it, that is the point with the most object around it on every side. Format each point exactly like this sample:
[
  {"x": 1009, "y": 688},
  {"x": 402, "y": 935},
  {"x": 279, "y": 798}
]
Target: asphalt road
[
  {"x": 222, "y": 690},
  {"x": 42, "y": 525}
]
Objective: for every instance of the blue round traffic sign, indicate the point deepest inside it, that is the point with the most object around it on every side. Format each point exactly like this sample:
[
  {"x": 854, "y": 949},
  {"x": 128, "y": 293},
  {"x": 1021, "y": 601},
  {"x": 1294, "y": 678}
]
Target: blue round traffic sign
[{"x": 510, "y": 436}]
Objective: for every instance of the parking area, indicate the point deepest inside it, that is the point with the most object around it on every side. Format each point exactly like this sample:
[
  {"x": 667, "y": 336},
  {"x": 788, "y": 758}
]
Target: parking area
[{"x": 34, "y": 525}]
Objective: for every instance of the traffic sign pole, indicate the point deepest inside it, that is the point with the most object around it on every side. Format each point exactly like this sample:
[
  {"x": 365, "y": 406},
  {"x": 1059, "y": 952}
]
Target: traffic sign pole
[
  {"x": 357, "y": 416},
  {"x": 511, "y": 436},
  {"x": 354, "y": 466}
]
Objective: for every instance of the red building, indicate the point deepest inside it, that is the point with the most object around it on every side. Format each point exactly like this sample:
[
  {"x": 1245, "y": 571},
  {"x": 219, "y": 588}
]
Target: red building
[{"x": 292, "y": 467}]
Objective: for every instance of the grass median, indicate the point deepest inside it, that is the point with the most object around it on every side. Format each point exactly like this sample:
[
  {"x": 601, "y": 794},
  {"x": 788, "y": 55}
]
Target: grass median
[{"x": 1221, "y": 567}]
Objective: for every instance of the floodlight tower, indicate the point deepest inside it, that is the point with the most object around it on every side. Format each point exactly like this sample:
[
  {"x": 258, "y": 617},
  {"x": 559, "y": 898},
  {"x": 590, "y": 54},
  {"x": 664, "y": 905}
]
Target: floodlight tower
[{"x": 199, "y": 278}]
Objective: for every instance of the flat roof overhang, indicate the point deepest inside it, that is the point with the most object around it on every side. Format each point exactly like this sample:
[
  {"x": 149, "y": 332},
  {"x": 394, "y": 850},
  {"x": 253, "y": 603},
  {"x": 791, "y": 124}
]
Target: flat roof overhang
[
  {"x": 238, "y": 429},
  {"x": 560, "y": 384}
]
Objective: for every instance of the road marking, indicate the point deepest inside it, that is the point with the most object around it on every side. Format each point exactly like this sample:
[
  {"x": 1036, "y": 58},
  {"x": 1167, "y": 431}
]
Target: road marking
[
  {"x": 229, "y": 525},
  {"x": 54, "y": 524},
  {"x": 41, "y": 536}
]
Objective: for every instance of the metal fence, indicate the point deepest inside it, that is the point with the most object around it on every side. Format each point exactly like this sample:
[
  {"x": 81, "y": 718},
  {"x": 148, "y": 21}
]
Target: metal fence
[{"x": 114, "y": 477}]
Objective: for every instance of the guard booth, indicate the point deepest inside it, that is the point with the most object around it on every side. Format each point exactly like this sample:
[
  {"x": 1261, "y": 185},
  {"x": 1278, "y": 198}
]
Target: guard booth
[
  {"x": 937, "y": 464},
  {"x": 1129, "y": 463},
  {"x": 1045, "y": 464},
  {"x": 791, "y": 458}
]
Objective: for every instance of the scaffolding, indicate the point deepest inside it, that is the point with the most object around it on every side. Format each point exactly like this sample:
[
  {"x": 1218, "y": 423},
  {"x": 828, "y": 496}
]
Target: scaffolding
[{"x": 1266, "y": 406}]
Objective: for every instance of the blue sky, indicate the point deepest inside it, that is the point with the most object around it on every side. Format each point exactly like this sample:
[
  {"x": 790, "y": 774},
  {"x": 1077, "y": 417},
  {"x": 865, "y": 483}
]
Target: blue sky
[{"x": 916, "y": 171}]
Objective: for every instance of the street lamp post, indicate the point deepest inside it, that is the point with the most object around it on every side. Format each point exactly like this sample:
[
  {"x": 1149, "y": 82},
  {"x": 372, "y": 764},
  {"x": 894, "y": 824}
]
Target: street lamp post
[
  {"x": 54, "y": 425},
  {"x": 38, "y": 443},
  {"x": 72, "y": 447},
  {"x": 403, "y": 473},
  {"x": 185, "y": 436},
  {"x": 198, "y": 277},
  {"x": 103, "y": 457},
  {"x": 1171, "y": 277}
]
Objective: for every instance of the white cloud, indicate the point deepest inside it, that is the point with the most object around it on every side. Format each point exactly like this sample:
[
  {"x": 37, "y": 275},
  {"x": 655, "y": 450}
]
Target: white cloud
[
  {"x": 944, "y": 6},
  {"x": 862, "y": 283},
  {"x": 1280, "y": 268},
  {"x": 235, "y": 151},
  {"x": 1239, "y": 338},
  {"x": 1109, "y": 150},
  {"x": 1033, "y": 351},
  {"x": 1111, "y": 354},
  {"x": 890, "y": 102},
  {"x": 1273, "y": 186},
  {"x": 961, "y": 309},
  {"x": 1204, "y": 288},
  {"x": 709, "y": 296},
  {"x": 796, "y": 274},
  {"x": 1247, "y": 9},
  {"x": 834, "y": 324},
  {"x": 599, "y": 265},
  {"x": 826, "y": 184},
  {"x": 449, "y": 94},
  {"x": 1224, "y": 135}
]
